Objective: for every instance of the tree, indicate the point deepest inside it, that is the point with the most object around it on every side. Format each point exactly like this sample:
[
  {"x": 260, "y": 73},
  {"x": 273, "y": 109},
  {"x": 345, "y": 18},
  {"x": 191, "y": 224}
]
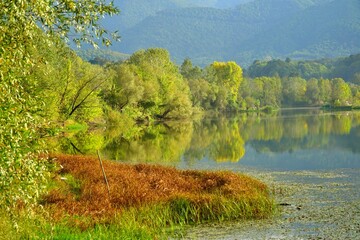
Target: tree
[
  {"x": 68, "y": 85},
  {"x": 273, "y": 68},
  {"x": 21, "y": 174},
  {"x": 341, "y": 92},
  {"x": 294, "y": 89},
  {"x": 325, "y": 91},
  {"x": 201, "y": 93},
  {"x": 268, "y": 91},
  {"x": 126, "y": 90},
  {"x": 244, "y": 95},
  {"x": 312, "y": 94},
  {"x": 150, "y": 84},
  {"x": 227, "y": 76},
  {"x": 356, "y": 97},
  {"x": 79, "y": 95},
  {"x": 189, "y": 71}
]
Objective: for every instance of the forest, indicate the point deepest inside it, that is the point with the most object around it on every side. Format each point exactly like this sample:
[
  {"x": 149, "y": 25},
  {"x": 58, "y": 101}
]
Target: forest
[
  {"x": 347, "y": 68},
  {"x": 178, "y": 91}
]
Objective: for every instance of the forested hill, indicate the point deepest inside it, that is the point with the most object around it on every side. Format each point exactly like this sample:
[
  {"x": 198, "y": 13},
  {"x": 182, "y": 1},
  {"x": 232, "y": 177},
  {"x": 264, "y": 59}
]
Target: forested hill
[
  {"x": 240, "y": 30},
  {"x": 134, "y": 11},
  {"x": 347, "y": 68}
]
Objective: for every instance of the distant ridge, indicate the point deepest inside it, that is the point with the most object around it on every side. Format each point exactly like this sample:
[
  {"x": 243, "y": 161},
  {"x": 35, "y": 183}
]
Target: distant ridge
[{"x": 240, "y": 30}]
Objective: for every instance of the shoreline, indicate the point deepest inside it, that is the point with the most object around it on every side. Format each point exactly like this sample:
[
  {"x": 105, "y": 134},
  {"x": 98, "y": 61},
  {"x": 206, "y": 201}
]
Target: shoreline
[{"x": 313, "y": 204}]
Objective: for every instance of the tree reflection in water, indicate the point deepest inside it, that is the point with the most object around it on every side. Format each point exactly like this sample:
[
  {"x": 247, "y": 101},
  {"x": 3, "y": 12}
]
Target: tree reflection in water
[{"x": 221, "y": 139}]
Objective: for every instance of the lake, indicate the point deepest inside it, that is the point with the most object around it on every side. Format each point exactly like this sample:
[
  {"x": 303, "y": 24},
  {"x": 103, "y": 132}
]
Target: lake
[
  {"x": 288, "y": 140},
  {"x": 310, "y": 159}
]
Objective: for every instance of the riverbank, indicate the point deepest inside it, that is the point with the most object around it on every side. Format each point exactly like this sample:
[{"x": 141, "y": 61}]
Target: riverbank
[
  {"x": 142, "y": 201},
  {"x": 313, "y": 205}
]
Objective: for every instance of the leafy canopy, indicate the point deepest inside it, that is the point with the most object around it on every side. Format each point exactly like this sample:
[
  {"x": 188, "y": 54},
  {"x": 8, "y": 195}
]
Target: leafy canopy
[{"x": 21, "y": 24}]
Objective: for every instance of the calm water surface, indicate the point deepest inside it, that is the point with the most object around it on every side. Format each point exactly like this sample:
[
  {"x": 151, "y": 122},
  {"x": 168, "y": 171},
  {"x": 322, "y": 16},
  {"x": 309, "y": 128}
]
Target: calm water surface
[{"x": 289, "y": 140}]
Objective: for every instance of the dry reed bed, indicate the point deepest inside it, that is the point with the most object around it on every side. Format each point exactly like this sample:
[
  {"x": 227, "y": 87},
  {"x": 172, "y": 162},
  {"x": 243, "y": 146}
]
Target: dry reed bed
[{"x": 143, "y": 185}]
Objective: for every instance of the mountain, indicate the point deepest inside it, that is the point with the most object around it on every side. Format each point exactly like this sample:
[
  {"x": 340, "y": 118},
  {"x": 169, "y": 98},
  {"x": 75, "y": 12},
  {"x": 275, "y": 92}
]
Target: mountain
[
  {"x": 327, "y": 30},
  {"x": 240, "y": 30},
  {"x": 135, "y": 11}
]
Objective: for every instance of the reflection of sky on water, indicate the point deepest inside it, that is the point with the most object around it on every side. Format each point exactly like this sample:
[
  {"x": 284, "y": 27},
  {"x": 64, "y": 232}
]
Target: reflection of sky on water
[
  {"x": 341, "y": 152},
  {"x": 309, "y": 159}
]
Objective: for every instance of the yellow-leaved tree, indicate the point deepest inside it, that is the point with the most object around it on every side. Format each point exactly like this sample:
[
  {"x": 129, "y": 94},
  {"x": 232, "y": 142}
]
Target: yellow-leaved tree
[{"x": 227, "y": 77}]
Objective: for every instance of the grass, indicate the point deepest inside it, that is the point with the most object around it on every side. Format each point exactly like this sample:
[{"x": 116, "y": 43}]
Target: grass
[{"x": 145, "y": 202}]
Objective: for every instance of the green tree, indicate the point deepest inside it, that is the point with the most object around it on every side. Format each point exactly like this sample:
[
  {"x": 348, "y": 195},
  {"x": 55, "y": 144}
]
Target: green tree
[
  {"x": 273, "y": 68},
  {"x": 78, "y": 97},
  {"x": 341, "y": 92},
  {"x": 150, "y": 84},
  {"x": 202, "y": 93},
  {"x": 244, "y": 95},
  {"x": 356, "y": 99},
  {"x": 294, "y": 89},
  {"x": 21, "y": 174},
  {"x": 126, "y": 90},
  {"x": 189, "y": 71},
  {"x": 268, "y": 91},
  {"x": 68, "y": 85},
  {"x": 312, "y": 69},
  {"x": 227, "y": 77},
  {"x": 312, "y": 94},
  {"x": 325, "y": 91}
]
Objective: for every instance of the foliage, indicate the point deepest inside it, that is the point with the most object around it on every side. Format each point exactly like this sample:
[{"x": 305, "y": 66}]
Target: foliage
[
  {"x": 214, "y": 87},
  {"x": 260, "y": 92},
  {"x": 69, "y": 86},
  {"x": 226, "y": 78},
  {"x": 289, "y": 68},
  {"x": 22, "y": 175},
  {"x": 312, "y": 91},
  {"x": 294, "y": 89},
  {"x": 341, "y": 93},
  {"x": 150, "y": 86},
  {"x": 79, "y": 93},
  {"x": 343, "y": 67},
  {"x": 221, "y": 87}
]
